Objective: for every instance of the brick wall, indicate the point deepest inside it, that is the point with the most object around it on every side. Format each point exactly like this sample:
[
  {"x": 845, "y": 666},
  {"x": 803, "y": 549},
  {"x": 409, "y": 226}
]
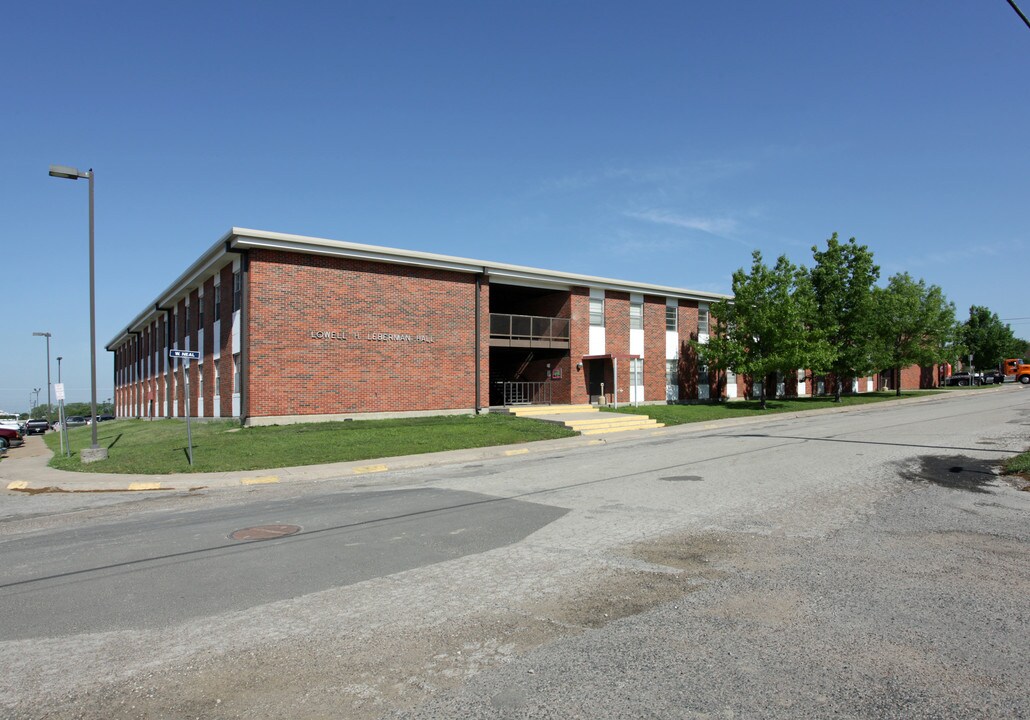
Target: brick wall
[
  {"x": 292, "y": 373},
  {"x": 654, "y": 348},
  {"x": 579, "y": 343}
]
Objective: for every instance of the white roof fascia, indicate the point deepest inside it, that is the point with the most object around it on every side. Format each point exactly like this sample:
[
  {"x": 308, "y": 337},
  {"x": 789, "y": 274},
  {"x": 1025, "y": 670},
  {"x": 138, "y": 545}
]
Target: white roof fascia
[
  {"x": 545, "y": 278},
  {"x": 246, "y": 238},
  {"x": 355, "y": 253}
]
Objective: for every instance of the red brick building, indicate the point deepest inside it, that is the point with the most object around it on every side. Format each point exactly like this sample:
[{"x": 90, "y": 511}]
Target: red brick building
[{"x": 292, "y": 328}]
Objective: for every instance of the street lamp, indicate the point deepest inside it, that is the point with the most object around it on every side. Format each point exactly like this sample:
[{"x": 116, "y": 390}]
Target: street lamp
[
  {"x": 32, "y": 406},
  {"x": 95, "y": 452},
  {"x": 47, "y": 336}
]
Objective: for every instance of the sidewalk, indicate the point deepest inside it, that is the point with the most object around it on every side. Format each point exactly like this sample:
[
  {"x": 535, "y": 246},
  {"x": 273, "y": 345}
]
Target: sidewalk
[{"x": 25, "y": 469}]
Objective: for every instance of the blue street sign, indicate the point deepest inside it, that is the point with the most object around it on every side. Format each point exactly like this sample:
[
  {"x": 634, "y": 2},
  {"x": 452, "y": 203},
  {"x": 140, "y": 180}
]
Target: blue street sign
[{"x": 188, "y": 354}]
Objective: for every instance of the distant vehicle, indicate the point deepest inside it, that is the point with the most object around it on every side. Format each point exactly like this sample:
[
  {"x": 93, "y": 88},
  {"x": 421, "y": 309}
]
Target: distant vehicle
[
  {"x": 10, "y": 438},
  {"x": 38, "y": 426},
  {"x": 1015, "y": 370},
  {"x": 105, "y": 418},
  {"x": 74, "y": 420}
]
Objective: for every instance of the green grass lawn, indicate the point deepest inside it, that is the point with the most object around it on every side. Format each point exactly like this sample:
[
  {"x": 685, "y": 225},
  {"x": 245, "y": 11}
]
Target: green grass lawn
[
  {"x": 159, "y": 447},
  {"x": 1019, "y": 465},
  {"x": 679, "y": 414}
]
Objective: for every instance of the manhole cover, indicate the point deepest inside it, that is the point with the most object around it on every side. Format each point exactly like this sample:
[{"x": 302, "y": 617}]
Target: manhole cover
[
  {"x": 682, "y": 478},
  {"x": 264, "y": 532}
]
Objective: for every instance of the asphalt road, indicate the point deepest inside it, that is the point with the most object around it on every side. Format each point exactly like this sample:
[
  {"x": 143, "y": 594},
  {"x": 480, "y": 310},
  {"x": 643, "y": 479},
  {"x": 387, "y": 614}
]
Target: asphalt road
[
  {"x": 862, "y": 564},
  {"x": 145, "y": 572}
]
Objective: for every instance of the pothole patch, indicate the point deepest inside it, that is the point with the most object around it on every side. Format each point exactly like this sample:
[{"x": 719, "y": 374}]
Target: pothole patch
[{"x": 263, "y": 532}]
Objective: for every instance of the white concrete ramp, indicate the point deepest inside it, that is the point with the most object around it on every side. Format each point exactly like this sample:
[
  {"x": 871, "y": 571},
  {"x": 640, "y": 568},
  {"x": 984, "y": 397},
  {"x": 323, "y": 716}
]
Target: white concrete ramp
[{"x": 585, "y": 419}]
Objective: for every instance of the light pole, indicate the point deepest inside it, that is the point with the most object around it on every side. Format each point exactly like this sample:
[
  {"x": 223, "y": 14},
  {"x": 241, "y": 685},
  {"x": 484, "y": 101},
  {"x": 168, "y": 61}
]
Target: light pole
[
  {"x": 47, "y": 336},
  {"x": 95, "y": 452},
  {"x": 32, "y": 405}
]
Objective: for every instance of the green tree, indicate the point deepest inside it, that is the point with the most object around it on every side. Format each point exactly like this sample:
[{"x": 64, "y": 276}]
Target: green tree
[
  {"x": 766, "y": 328},
  {"x": 915, "y": 324},
  {"x": 843, "y": 280},
  {"x": 989, "y": 339}
]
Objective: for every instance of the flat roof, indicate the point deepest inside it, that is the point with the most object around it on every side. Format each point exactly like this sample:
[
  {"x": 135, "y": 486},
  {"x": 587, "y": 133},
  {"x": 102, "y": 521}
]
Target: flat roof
[{"x": 238, "y": 239}]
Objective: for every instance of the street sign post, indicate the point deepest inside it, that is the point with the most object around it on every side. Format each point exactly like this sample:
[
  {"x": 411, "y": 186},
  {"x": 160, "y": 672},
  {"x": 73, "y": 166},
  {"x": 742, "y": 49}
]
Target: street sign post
[
  {"x": 63, "y": 434},
  {"x": 185, "y": 356}
]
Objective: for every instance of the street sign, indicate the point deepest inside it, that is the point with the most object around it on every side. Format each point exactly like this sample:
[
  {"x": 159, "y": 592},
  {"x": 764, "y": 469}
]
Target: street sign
[
  {"x": 59, "y": 389},
  {"x": 188, "y": 354}
]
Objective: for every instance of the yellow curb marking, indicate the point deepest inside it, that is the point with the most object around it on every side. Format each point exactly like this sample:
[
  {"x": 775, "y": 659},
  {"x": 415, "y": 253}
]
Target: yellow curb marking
[
  {"x": 520, "y": 451},
  {"x": 370, "y": 469},
  {"x": 263, "y": 480},
  {"x": 145, "y": 486},
  {"x": 18, "y": 485}
]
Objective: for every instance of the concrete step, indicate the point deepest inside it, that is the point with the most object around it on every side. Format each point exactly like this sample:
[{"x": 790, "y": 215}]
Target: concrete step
[
  {"x": 535, "y": 410},
  {"x": 586, "y": 426}
]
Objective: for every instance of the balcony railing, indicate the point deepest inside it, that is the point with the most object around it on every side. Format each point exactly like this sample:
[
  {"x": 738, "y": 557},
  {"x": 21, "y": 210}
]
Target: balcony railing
[
  {"x": 528, "y": 331},
  {"x": 527, "y": 393}
]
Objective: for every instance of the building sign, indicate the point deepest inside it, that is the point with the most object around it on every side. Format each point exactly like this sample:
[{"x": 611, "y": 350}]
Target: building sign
[
  {"x": 400, "y": 337},
  {"x": 371, "y": 337}
]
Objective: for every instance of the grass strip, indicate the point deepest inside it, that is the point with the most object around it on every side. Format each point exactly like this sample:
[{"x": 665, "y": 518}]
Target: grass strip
[
  {"x": 680, "y": 414},
  {"x": 158, "y": 447},
  {"x": 1019, "y": 465}
]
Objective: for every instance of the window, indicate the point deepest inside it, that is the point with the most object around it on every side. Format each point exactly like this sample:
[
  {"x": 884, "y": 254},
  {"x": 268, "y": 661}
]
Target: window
[
  {"x": 237, "y": 290},
  {"x": 236, "y": 372},
  {"x": 636, "y": 372},
  {"x": 596, "y": 312},
  {"x": 672, "y": 373},
  {"x": 636, "y": 315},
  {"x": 200, "y": 314},
  {"x": 702, "y": 318},
  {"x": 671, "y": 317},
  {"x": 218, "y": 303},
  {"x": 217, "y": 387},
  {"x": 704, "y": 392},
  {"x": 187, "y": 320}
]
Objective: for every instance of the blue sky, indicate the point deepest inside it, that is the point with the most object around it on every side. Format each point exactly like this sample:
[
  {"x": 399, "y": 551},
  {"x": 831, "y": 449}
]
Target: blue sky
[{"x": 659, "y": 142}]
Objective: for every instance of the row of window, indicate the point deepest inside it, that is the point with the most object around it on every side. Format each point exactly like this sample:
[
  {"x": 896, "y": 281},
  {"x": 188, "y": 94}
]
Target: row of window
[
  {"x": 237, "y": 302},
  {"x": 129, "y": 371},
  {"x": 198, "y": 376},
  {"x": 636, "y": 316}
]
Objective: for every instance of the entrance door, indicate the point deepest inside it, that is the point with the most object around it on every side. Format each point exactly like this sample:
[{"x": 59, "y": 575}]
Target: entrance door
[
  {"x": 636, "y": 380},
  {"x": 595, "y": 379}
]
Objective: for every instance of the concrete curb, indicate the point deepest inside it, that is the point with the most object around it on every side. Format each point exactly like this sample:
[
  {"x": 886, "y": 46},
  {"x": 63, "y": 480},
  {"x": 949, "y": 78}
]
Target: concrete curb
[{"x": 32, "y": 475}]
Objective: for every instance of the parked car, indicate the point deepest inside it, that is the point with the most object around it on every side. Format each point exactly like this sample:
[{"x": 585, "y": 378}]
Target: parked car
[
  {"x": 74, "y": 421},
  {"x": 963, "y": 379},
  {"x": 10, "y": 438},
  {"x": 105, "y": 418},
  {"x": 16, "y": 425},
  {"x": 38, "y": 426}
]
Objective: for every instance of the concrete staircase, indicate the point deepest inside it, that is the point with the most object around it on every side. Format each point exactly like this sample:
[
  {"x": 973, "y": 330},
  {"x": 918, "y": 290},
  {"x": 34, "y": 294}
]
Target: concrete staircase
[{"x": 585, "y": 419}]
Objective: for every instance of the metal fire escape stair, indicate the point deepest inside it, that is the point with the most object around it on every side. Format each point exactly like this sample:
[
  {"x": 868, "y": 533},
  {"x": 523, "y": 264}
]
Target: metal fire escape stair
[{"x": 524, "y": 365}]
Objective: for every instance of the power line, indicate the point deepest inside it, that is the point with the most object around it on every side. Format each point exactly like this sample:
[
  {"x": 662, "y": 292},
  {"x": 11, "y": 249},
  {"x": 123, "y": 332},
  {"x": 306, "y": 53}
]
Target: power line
[{"x": 1019, "y": 12}]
